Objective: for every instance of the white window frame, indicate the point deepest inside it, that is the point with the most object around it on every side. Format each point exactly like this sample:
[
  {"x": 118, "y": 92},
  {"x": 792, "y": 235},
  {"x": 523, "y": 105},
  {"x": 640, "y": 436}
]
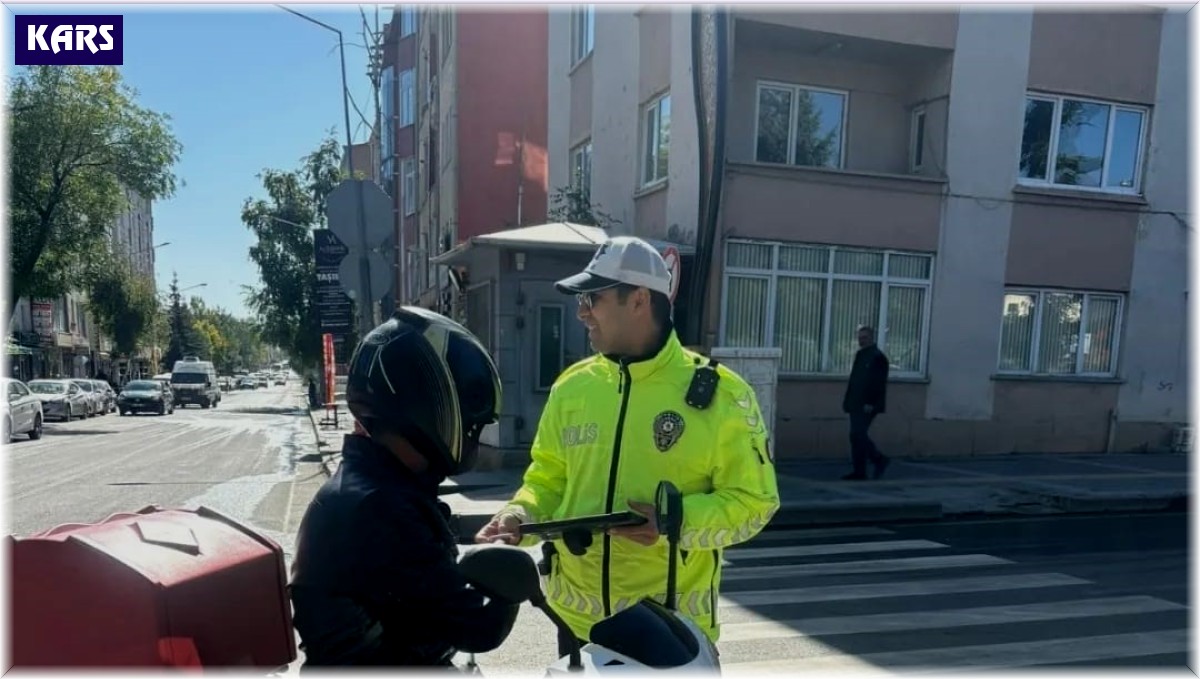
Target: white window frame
[
  {"x": 916, "y": 154},
  {"x": 795, "y": 87},
  {"x": 582, "y": 152},
  {"x": 408, "y": 97},
  {"x": 1056, "y": 125},
  {"x": 655, "y": 104},
  {"x": 408, "y": 20},
  {"x": 886, "y": 281},
  {"x": 1036, "y": 341},
  {"x": 583, "y": 32},
  {"x": 408, "y": 185}
]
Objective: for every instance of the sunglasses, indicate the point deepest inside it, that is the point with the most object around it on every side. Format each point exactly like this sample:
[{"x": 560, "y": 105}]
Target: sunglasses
[{"x": 587, "y": 299}]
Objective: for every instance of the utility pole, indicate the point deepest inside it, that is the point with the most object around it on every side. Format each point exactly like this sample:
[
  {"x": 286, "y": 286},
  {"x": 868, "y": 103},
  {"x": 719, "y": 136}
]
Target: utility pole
[{"x": 367, "y": 308}]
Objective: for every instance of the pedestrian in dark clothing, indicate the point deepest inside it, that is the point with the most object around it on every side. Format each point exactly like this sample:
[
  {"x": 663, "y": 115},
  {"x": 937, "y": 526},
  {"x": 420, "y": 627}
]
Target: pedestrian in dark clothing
[
  {"x": 375, "y": 581},
  {"x": 313, "y": 403},
  {"x": 866, "y": 397}
]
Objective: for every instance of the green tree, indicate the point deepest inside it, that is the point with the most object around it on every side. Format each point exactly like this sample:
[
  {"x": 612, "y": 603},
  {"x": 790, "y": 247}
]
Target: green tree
[
  {"x": 573, "y": 204},
  {"x": 286, "y": 303},
  {"x": 123, "y": 304},
  {"x": 184, "y": 340},
  {"x": 76, "y": 137}
]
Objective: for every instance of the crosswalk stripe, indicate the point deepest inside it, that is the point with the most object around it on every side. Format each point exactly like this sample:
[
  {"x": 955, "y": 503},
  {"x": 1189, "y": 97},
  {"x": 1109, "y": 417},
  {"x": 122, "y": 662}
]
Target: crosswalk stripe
[
  {"x": 955, "y": 659},
  {"x": 881, "y": 590},
  {"x": 831, "y": 549},
  {"x": 916, "y": 563},
  {"x": 918, "y": 620}
]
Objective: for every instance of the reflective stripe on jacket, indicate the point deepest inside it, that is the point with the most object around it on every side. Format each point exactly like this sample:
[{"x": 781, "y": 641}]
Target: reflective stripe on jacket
[{"x": 610, "y": 432}]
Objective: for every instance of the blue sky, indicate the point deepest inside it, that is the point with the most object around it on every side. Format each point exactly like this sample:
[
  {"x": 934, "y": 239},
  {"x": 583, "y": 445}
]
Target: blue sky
[{"x": 247, "y": 87}]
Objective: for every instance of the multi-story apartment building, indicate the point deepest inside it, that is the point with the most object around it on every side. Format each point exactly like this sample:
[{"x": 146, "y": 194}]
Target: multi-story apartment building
[
  {"x": 463, "y": 132},
  {"x": 1002, "y": 194},
  {"x": 58, "y": 337},
  {"x": 132, "y": 236}
]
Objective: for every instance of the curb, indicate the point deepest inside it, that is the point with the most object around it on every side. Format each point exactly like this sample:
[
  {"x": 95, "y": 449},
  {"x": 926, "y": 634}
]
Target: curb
[
  {"x": 1098, "y": 503},
  {"x": 326, "y": 459}
]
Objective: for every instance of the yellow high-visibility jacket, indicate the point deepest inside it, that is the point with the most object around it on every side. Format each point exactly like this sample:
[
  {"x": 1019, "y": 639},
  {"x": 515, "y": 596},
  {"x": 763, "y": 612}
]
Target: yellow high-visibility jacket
[{"x": 610, "y": 433}]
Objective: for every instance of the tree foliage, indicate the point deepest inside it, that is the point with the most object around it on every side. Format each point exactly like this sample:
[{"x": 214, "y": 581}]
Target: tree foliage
[
  {"x": 573, "y": 204},
  {"x": 123, "y": 304},
  {"x": 234, "y": 342},
  {"x": 76, "y": 137},
  {"x": 184, "y": 339},
  {"x": 286, "y": 303}
]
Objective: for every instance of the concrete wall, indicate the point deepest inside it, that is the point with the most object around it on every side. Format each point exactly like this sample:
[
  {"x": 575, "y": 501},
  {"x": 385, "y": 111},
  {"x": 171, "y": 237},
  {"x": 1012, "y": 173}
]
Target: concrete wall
[
  {"x": 1103, "y": 54},
  {"x": 502, "y": 120},
  {"x": 988, "y": 94},
  {"x": 559, "y": 96},
  {"x": 818, "y": 206},
  {"x": 928, "y": 28},
  {"x": 1154, "y": 351},
  {"x": 615, "y": 107},
  {"x": 683, "y": 193}
]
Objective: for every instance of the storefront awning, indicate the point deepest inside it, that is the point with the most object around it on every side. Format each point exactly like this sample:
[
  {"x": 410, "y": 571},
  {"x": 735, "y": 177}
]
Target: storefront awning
[
  {"x": 13, "y": 349},
  {"x": 558, "y": 236}
]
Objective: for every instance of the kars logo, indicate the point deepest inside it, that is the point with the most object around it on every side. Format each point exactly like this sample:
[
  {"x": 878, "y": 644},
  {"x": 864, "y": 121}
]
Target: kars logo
[
  {"x": 69, "y": 40},
  {"x": 668, "y": 427}
]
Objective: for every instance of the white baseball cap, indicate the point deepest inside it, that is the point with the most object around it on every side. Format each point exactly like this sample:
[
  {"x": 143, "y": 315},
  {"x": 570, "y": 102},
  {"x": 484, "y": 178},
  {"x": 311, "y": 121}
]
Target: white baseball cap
[{"x": 623, "y": 259}]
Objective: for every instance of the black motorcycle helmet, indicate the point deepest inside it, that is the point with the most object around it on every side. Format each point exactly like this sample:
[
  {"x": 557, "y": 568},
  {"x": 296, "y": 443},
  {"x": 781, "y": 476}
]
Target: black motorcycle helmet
[{"x": 428, "y": 379}]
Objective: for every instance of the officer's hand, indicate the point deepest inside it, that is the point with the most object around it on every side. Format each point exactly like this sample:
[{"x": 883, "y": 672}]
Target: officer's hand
[
  {"x": 503, "y": 528},
  {"x": 645, "y": 534}
]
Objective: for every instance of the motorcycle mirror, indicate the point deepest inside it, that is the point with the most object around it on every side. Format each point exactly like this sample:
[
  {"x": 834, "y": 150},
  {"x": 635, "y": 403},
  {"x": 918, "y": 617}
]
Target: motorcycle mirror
[
  {"x": 668, "y": 508},
  {"x": 502, "y": 571}
]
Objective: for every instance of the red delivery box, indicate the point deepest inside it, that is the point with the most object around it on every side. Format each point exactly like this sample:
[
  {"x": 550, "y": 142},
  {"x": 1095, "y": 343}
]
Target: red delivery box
[{"x": 154, "y": 588}]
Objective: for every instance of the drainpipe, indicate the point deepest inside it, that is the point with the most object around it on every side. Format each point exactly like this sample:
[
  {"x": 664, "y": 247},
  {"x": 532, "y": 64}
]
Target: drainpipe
[{"x": 710, "y": 190}]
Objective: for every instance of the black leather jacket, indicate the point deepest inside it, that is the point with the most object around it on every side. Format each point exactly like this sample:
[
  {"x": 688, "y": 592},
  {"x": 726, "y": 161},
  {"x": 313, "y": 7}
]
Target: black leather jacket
[{"x": 375, "y": 580}]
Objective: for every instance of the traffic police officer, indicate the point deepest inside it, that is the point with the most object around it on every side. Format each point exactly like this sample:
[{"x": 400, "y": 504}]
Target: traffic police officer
[{"x": 642, "y": 410}]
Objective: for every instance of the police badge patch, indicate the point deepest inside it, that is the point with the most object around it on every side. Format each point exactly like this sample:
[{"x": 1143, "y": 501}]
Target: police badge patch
[{"x": 668, "y": 427}]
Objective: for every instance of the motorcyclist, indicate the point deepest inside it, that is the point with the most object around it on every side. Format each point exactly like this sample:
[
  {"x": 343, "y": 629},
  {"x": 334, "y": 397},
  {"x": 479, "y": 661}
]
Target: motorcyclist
[{"x": 375, "y": 580}]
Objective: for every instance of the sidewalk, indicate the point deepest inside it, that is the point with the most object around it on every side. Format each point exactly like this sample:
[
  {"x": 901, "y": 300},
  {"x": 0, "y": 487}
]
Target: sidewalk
[{"x": 922, "y": 488}]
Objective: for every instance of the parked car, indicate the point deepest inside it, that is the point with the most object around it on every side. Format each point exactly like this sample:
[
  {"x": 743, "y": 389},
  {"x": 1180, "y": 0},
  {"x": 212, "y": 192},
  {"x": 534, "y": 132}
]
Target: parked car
[
  {"x": 61, "y": 399},
  {"x": 146, "y": 396},
  {"x": 108, "y": 396},
  {"x": 95, "y": 407},
  {"x": 262, "y": 380},
  {"x": 22, "y": 412}
]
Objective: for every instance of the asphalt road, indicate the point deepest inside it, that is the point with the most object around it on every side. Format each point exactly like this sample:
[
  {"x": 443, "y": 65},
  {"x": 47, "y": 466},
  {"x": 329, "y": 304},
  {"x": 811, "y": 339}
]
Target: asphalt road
[
  {"x": 1071, "y": 592},
  {"x": 239, "y": 458},
  {"x": 1108, "y": 591}
]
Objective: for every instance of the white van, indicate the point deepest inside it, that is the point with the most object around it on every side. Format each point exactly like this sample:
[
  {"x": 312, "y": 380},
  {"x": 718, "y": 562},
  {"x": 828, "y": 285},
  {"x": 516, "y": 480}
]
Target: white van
[{"x": 195, "y": 381}]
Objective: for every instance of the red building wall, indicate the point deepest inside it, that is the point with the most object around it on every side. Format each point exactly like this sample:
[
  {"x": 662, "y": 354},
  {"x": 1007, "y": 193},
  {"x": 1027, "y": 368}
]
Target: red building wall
[{"x": 502, "y": 109}]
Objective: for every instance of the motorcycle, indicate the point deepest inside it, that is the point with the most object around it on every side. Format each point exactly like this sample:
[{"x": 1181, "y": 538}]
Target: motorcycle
[{"x": 647, "y": 635}]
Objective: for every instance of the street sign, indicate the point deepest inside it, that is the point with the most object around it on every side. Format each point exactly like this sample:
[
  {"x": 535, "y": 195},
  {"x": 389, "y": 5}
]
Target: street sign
[
  {"x": 328, "y": 249},
  {"x": 343, "y": 209},
  {"x": 333, "y": 306},
  {"x": 383, "y": 274},
  {"x": 675, "y": 266}
]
